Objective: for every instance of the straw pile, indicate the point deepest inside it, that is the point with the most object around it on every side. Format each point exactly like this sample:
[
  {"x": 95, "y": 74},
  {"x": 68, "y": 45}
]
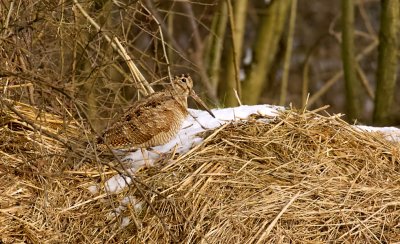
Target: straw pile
[{"x": 302, "y": 178}]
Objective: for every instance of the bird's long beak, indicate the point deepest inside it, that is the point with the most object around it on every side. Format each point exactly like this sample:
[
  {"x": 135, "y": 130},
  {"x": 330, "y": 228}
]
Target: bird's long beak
[{"x": 200, "y": 102}]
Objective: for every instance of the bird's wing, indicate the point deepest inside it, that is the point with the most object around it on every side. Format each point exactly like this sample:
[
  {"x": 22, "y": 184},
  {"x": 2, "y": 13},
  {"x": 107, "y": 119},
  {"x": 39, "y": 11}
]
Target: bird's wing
[{"x": 143, "y": 121}]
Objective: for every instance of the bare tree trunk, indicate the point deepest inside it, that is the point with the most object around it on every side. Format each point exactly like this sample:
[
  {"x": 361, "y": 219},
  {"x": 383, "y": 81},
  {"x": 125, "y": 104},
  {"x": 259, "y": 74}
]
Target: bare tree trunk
[
  {"x": 387, "y": 61},
  {"x": 231, "y": 77},
  {"x": 215, "y": 44},
  {"x": 349, "y": 62},
  {"x": 266, "y": 45},
  {"x": 288, "y": 53}
]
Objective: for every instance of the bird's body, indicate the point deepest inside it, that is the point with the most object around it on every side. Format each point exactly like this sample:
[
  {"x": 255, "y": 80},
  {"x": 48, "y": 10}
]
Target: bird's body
[{"x": 152, "y": 121}]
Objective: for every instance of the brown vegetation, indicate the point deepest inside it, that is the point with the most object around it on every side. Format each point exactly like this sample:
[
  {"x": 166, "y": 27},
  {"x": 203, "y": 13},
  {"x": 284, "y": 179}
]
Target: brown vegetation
[
  {"x": 301, "y": 177},
  {"x": 68, "y": 67}
]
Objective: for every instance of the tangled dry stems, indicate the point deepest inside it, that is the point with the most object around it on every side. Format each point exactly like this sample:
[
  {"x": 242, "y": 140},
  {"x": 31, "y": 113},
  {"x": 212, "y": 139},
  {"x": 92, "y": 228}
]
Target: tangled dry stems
[{"x": 303, "y": 178}]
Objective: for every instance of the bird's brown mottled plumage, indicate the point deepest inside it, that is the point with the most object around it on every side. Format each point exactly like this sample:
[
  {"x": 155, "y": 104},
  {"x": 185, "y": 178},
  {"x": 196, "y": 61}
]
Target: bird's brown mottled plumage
[{"x": 152, "y": 121}]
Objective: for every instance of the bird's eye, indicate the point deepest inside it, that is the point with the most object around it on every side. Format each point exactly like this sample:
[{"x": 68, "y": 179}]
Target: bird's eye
[{"x": 184, "y": 80}]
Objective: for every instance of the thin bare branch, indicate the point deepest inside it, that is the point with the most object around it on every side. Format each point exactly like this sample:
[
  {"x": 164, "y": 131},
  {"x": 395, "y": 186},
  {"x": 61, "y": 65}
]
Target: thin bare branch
[{"x": 117, "y": 46}]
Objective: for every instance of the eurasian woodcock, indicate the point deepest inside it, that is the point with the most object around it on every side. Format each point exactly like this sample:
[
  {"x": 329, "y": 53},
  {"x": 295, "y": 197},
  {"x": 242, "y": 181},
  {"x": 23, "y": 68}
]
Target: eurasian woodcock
[{"x": 154, "y": 120}]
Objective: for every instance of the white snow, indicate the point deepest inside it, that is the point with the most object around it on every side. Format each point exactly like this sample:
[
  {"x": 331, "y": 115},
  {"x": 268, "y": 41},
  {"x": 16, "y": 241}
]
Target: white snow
[
  {"x": 124, "y": 204},
  {"x": 390, "y": 133}
]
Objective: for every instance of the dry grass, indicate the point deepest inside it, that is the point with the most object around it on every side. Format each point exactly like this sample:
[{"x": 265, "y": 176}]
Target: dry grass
[{"x": 302, "y": 178}]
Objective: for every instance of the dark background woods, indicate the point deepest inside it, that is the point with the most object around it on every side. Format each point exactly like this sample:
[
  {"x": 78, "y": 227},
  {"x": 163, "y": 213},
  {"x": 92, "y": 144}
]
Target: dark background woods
[{"x": 276, "y": 52}]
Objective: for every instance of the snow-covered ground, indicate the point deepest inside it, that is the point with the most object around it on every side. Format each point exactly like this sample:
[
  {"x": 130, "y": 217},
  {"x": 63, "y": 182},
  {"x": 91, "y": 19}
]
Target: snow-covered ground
[
  {"x": 188, "y": 137},
  {"x": 390, "y": 133}
]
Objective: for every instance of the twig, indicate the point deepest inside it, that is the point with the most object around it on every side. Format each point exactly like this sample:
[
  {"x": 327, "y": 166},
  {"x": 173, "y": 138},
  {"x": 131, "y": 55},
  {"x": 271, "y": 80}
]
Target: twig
[
  {"x": 83, "y": 203},
  {"x": 288, "y": 53},
  {"x": 197, "y": 39},
  {"x": 15, "y": 86},
  {"x": 305, "y": 94},
  {"x": 237, "y": 97},
  {"x": 136, "y": 182},
  {"x": 151, "y": 9},
  {"x": 364, "y": 82},
  {"x": 162, "y": 41},
  {"x": 34, "y": 126},
  {"x": 325, "y": 88},
  {"x": 6, "y": 23},
  {"x": 364, "y": 16},
  {"x": 116, "y": 45},
  {"x": 236, "y": 55},
  {"x": 135, "y": 71},
  {"x": 273, "y": 223},
  {"x": 198, "y": 62},
  {"x": 339, "y": 75}
]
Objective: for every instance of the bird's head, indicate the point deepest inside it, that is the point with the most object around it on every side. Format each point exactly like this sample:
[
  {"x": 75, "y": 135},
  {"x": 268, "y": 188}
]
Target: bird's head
[{"x": 183, "y": 86}]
